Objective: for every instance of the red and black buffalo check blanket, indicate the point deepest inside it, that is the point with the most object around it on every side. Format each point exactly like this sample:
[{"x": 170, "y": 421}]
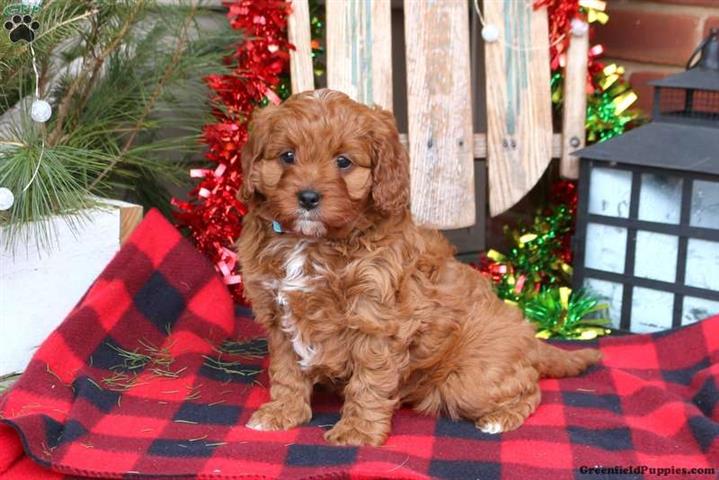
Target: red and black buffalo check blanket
[{"x": 154, "y": 374}]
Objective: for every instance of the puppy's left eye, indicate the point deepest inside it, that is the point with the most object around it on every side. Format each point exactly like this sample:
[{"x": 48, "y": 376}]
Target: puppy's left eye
[{"x": 343, "y": 162}]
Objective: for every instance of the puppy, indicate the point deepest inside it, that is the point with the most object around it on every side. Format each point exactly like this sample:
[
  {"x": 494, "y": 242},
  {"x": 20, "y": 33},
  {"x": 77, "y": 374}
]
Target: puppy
[{"x": 352, "y": 292}]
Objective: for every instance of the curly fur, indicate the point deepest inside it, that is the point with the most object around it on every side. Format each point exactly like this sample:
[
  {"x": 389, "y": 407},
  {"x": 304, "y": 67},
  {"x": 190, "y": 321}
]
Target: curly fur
[{"x": 354, "y": 294}]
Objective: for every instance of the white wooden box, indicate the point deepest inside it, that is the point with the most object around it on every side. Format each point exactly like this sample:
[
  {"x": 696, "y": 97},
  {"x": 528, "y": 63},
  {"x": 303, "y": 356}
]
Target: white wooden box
[{"x": 39, "y": 286}]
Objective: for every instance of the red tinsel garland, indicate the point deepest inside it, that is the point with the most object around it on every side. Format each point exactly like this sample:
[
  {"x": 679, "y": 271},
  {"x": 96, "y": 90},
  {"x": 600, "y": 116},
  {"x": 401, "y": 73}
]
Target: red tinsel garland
[
  {"x": 214, "y": 214},
  {"x": 560, "y": 13}
]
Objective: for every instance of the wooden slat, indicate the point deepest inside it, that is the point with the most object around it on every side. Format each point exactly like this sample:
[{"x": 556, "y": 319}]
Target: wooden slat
[
  {"x": 130, "y": 217},
  {"x": 575, "y": 105},
  {"x": 382, "y": 53},
  {"x": 439, "y": 112},
  {"x": 480, "y": 144},
  {"x": 519, "y": 117},
  {"x": 298, "y": 33},
  {"x": 359, "y": 50}
]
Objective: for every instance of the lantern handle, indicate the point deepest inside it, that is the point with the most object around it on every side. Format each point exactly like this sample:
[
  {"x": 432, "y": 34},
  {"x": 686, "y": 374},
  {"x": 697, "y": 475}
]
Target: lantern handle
[{"x": 713, "y": 35}]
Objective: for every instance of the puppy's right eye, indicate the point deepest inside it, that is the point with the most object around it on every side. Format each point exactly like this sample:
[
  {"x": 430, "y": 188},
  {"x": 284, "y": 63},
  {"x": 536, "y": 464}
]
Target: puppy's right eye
[{"x": 288, "y": 157}]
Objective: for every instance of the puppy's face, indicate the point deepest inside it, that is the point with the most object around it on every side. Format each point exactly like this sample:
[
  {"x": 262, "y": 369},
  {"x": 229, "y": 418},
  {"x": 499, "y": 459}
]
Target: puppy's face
[{"x": 321, "y": 163}]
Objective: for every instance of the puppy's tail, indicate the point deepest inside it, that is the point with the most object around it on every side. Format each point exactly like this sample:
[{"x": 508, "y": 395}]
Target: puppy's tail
[{"x": 556, "y": 363}]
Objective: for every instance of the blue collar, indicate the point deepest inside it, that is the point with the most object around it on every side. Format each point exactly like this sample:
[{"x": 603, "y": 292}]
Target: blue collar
[{"x": 277, "y": 227}]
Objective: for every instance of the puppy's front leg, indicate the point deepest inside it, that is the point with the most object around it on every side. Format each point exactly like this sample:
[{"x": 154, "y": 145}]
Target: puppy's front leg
[
  {"x": 290, "y": 389},
  {"x": 370, "y": 396}
]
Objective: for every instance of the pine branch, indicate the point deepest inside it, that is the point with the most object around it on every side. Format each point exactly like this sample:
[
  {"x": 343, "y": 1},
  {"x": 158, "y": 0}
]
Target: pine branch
[
  {"x": 180, "y": 47},
  {"x": 66, "y": 22},
  {"x": 44, "y": 75},
  {"x": 65, "y": 103},
  {"x": 92, "y": 41}
]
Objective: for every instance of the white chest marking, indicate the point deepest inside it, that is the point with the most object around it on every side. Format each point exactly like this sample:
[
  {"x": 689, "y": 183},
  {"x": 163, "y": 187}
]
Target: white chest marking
[{"x": 295, "y": 280}]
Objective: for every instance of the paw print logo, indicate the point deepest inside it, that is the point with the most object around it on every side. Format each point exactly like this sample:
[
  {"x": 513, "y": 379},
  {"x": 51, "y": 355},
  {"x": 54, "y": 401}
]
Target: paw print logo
[{"x": 22, "y": 27}]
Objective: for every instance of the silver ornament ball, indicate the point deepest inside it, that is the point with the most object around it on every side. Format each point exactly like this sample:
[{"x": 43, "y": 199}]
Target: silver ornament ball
[
  {"x": 40, "y": 111},
  {"x": 490, "y": 33},
  {"x": 7, "y": 199},
  {"x": 579, "y": 27}
]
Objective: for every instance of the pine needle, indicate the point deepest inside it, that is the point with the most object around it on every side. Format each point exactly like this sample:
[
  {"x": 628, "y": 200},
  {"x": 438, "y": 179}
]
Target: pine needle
[
  {"x": 216, "y": 444},
  {"x": 120, "y": 382},
  {"x": 47, "y": 451},
  {"x": 51, "y": 372},
  {"x": 230, "y": 368},
  {"x": 132, "y": 360},
  {"x": 193, "y": 392},
  {"x": 93, "y": 382},
  {"x": 147, "y": 357},
  {"x": 254, "y": 348}
]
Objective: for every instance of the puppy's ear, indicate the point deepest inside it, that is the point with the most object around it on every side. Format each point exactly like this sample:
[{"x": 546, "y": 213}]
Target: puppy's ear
[
  {"x": 390, "y": 165},
  {"x": 258, "y": 135}
]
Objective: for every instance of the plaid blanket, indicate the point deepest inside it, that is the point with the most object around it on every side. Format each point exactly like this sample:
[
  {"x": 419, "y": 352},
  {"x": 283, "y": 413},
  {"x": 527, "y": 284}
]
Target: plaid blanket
[{"x": 154, "y": 374}]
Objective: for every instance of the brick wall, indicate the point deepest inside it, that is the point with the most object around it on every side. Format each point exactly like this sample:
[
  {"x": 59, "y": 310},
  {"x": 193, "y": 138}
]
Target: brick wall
[{"x": 654, "y": 38}]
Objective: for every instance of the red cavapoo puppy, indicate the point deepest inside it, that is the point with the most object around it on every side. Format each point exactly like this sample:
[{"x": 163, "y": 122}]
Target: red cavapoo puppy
[{"x": 353, "y": 293}]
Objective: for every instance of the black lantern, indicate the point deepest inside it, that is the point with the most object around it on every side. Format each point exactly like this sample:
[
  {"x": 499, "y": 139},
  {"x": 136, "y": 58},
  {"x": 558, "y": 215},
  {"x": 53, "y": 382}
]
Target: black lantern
[{"x": 648, "y": 217}]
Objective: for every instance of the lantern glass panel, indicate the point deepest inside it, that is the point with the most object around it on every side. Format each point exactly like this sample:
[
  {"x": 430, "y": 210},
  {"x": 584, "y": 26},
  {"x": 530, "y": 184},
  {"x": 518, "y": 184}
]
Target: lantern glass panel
[
  {"x": 702, "y": 264},
  {"x": 695, "y": 309},
  {"x": 651, "y": 310},
  {"x": 605, "y": 247},
  {"x": 656, "y": 256},
  {"x": 660, "y": 198},
  {"x": 610, "y": 192},
  {"x": 705, "y": 204},
  {"x": 609, "y": 292}
]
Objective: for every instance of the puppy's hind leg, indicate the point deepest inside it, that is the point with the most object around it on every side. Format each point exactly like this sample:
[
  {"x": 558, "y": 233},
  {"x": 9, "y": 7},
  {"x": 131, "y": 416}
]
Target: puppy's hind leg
[
  {"x": 510, "y": 406},
  {"x": 496, "y": 400},
  {"x": 493, "y": 381}
]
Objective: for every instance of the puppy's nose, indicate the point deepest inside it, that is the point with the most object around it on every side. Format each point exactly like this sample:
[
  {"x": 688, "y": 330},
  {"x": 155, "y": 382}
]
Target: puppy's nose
[{"x": 308, "y": 199}]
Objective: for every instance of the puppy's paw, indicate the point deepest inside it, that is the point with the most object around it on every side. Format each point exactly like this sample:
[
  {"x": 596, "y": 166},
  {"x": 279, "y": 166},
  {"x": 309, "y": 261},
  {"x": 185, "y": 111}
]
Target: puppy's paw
[
  {"x": 499, "y": 422},
  {"x": 279, "y": 416},
  {"x": 490, "y": 427},
  {"x": 348, "y": 432}
]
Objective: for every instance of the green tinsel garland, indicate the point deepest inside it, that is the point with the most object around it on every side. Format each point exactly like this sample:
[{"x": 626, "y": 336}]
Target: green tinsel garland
[{"x": 536, "y": 274}]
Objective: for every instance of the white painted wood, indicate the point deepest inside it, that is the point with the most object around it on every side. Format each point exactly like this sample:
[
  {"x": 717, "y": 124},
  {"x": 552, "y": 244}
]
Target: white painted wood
[
  {"x": 519, "y": 116},
  {"x": 39, "y": 286},
  {"x": 575, "y": 105},
  {"x": 382, "y": 53},
  {"x": 298, "y": 33},
  {"x": 439, "y": 113},
  {"x": 359, "y": 50}
]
